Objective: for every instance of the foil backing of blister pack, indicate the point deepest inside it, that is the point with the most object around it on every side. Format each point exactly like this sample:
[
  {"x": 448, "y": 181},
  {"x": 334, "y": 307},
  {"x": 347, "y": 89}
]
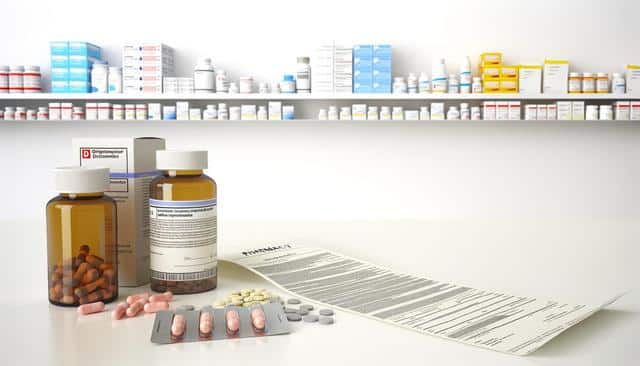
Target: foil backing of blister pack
[{"x": 276, "y": 323}]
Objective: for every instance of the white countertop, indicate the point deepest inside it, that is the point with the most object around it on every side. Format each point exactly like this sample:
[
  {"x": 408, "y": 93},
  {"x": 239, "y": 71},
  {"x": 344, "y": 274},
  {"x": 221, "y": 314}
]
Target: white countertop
[{"x": 580, "y": 261}]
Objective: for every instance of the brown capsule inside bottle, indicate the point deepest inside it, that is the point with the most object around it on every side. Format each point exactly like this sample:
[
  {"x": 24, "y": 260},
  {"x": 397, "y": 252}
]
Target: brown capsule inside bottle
[{"x": 81, "y": 232}]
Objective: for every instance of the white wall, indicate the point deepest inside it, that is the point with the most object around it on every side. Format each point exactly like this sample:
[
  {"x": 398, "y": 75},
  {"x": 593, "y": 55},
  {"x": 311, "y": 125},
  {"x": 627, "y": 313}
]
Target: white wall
[{"x": 350, "y": 171}]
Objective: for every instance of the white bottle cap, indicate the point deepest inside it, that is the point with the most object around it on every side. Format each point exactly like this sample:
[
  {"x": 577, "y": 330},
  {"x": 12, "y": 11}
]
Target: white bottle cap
[
  {"x": 81, "y": 180},
  {"x": 181, "y": 160}
]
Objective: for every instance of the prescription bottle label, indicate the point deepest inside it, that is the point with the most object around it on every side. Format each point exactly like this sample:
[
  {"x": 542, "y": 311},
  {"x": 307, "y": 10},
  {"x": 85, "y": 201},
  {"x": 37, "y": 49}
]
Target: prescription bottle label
[{"x": 183, "y": 239}]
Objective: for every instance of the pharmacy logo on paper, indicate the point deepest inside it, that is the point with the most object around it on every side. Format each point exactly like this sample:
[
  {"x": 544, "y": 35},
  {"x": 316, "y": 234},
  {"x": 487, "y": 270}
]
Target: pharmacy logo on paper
[{"x": 86, "y": 153}]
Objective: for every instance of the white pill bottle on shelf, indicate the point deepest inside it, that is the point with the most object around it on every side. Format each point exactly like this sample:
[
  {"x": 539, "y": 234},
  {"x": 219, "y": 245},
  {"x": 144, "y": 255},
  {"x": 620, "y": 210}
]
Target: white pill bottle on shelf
[
  {"x": 31, "y": 79},
  {"x": 465, "y": 76},
  {"x": 115, "y": 80},
  {"x": 424, "y": 84},
  {"x": 439, "y": 77},
  {"x": 303, "y": 75},
  {"x": 204, "y": 77},
  {"x": 618, "y": 83},
  {"x": 99, "y": 78}
]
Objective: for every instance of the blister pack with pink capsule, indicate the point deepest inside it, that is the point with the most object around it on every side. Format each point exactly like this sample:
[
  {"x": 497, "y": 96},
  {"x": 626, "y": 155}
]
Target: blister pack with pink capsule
[{"x": 211, "y": 324}]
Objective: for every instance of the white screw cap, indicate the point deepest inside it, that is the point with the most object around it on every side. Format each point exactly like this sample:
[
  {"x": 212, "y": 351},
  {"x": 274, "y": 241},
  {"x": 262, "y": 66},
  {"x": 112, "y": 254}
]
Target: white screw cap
[
  {"x": 181, "y": 160},
  {"x": 81, "y": 180}
]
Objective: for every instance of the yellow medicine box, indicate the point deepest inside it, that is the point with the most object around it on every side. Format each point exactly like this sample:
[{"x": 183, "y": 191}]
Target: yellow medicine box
[
  {"x": 491, "y": 86},
  {"x": 509, "y": 71},
  {"x": 491, "y": 58},
  {"x": 508, "y": 85},
  {"x": 490, "y": 72}
]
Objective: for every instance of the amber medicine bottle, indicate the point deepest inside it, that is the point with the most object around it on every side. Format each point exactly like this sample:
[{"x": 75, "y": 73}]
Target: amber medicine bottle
[
  {"x": 81, "y": 238},
  {"x": 183, "y": 219}
]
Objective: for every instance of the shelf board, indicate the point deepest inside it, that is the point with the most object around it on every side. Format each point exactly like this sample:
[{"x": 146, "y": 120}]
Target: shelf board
[
  {"x": 372, "y": 122},
  {"x": 308, "y": 97}
]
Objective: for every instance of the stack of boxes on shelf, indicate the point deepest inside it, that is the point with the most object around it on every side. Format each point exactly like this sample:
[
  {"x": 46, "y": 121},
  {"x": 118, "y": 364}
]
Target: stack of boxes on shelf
[
  {"x": 496, "y": 77},
  {"x": 177, "y": 85},
  {"x": 332, "y": 69},
  {"x": 372, "y": 69},
  {"x": 144, "y": 65},
  {"x": 322, "y": 69},
  {"x": 382, "y": 68},
  {"x": 342, "y": 69},
  {"x": 71, "y": 64},
  {"x": 363, "y": 68}
]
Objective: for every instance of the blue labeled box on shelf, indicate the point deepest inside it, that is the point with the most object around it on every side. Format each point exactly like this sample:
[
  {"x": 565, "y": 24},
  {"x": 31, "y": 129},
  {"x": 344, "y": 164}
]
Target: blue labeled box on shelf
[
  {"x": 363, "y": 68},
  {"x": 71, "y": 63},
  {"x": 382, "y": 51}
]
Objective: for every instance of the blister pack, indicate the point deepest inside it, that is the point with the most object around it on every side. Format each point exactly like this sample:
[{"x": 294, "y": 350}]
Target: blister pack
[{"x": 209, "y": 324}]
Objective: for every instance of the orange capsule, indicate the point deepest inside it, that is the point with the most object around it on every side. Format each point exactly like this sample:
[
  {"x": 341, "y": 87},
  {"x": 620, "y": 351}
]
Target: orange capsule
[
  {"x": 206, "y": 323},
  {"x": 144, "y": 296},
  {"x": 135, "y": 308},
  {"x": 94, "y": 260},
  {"x": 84, "y": 249},
  {"x": 178, "y": 325},
  {"x": 120, "y": 311},
  {"x": 167, "y": 296},
  {"x": 233, "y": 321},
  {"x": 90, "y": 276},
  {"x": 94, "y": 307},
  {"x": 154, "y": 307}
]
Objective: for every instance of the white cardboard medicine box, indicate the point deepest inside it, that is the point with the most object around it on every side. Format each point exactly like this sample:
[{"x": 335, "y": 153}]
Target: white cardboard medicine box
[{"x": 132, "y": 164}]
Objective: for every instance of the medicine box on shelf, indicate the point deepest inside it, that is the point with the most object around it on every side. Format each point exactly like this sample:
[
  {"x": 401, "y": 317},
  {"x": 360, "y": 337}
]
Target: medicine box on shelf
[
  {"x": 382, "y": 68},
  {"x": 71, "y": 63},
  {"x": 530, "y": 79}
]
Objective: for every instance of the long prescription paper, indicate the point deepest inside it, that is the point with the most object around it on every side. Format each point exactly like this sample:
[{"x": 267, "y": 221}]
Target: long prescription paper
[{"x": 500, "y": 322}]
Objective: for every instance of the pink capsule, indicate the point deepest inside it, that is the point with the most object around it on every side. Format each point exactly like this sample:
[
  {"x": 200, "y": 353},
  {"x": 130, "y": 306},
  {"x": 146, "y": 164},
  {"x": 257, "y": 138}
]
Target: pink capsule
[
  {"x": 233, "y": 321},
  {"x": 135, "y": 308},
  {"x": 154, "y": 307},
  {"x": 258, "y": 318},
  {"x": 206, "y": 323},
  {"x": 94, "y": 307},
  {"x": 167, "y": 296},
  {"x": 135, "y": 297},
  {"x": 178, "y": 325},
  {"x": 120, "y": 311}
]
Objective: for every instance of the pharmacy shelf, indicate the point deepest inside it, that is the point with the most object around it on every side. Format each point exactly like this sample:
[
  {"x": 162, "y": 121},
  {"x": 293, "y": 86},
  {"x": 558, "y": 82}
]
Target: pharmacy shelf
[
  {"x": 301, "y": 121},
  {"x": 309, "y": 97}
]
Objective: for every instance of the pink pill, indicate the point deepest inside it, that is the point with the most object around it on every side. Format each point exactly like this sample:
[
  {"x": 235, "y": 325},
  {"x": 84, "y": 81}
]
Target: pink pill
[
  {"x": 233, "y": 321},
  {"x": 258, "y": 318},
  {"x": 206, "y": 323},
  {"x": 167, "y": 296},
  {"x": 94, "y": 307},
  {"x": 135, "y": 308},
  {"x": 154, "y": 307},
  {"x": 120, "y": 311},
  {"x": 178, "y": 325},
  {"x": 135, "y": 297}
]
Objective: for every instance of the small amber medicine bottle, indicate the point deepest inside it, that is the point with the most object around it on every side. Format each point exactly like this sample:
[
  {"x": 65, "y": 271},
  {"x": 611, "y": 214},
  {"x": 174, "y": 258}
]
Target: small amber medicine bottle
[
  {"x": 183, "y": 220},
  {"x": 81, "y": 238}
]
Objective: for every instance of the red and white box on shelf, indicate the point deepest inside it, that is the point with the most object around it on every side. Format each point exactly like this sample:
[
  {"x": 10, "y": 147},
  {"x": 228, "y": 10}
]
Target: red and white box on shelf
[
  {"x": 489, "y": 110},
  {"x": 622, "y": 110},
  {"x": 634, "y": 113},
  {"x": 144, "y": 65}
]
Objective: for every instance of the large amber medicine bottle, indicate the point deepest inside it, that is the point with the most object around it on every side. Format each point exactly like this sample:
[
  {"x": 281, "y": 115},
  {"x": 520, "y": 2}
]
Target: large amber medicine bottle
[
  {"x": 81, "y": 238},
  {"x": 183, "y": 221}
]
